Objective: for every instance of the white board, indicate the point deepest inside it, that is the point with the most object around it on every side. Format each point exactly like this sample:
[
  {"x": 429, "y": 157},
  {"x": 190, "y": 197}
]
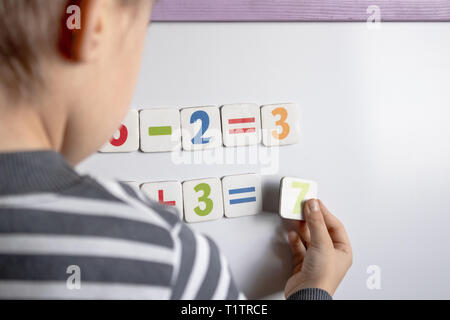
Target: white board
[{"x": 375, "y": 107}]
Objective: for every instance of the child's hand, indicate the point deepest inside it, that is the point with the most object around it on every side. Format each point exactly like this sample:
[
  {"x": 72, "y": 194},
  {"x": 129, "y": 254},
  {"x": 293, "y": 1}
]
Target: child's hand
[{"x": 322, "y": 253}]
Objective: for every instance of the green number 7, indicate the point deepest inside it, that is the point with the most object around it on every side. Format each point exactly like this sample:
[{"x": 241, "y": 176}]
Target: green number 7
[{"x": 304, "y": 188}]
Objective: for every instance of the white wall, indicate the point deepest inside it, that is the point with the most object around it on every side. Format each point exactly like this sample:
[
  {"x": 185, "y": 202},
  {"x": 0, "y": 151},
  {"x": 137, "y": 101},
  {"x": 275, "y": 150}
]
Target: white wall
[{"x": 375, "y": 108}]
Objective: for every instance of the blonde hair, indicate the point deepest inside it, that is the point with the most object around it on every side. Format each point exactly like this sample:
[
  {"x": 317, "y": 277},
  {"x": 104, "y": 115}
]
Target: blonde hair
[{"x": 28, "y": 34}]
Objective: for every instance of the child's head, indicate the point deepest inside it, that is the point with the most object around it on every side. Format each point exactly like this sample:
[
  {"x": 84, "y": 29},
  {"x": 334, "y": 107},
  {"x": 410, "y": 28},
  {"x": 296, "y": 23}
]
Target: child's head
[{"x": 76, "y": 84}]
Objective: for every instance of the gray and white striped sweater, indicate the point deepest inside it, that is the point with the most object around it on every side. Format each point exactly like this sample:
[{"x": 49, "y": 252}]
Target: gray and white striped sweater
[{"x": 124, "y": 245}]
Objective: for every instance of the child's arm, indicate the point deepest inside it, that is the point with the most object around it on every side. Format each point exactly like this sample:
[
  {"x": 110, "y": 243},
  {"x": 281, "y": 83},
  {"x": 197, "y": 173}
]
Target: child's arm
[
  {"x": 322, "y": 254},
  {"x": 201, "y": 271}
]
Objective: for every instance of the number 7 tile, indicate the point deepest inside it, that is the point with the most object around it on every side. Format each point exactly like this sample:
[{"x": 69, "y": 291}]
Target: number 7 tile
[
  {"x": 201, "y": 128},
  {"x": 294, "y": 192}
]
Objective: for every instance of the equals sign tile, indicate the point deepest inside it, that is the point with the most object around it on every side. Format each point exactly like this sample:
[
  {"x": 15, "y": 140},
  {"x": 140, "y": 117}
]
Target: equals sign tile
[
  {"x": 242, "y": 121},
  {"x": 241, "y": 191}
]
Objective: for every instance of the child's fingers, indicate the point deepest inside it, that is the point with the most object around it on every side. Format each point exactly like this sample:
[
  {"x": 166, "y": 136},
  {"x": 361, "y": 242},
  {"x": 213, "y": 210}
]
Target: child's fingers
[
  {"x": 297, "y": 268},
  {"x": 305, "y": 235},
  {"x": 335, "y": 227},
  {"x": 296, "y": 245},
  {"x": 298, "y": 251},
  {"x": 320, "y": 238}
]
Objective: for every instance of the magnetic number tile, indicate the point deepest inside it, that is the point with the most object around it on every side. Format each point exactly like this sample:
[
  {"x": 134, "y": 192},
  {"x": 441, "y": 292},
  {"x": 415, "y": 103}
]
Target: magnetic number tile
[
  {"x": 242, "y": 195},
  {"x": 241, "y": 124},
  {"x": 134, "y": 185},
  {"x": 202, "y": 200},
  {"x": 294, "y": 192},
  {"x": 160, "y": 130},
  {"x": 126, "y": 138},
  {"x": 166, "y": 193},
  {"x": 201, "y": 128},
  {"x": 280, "y": 124}
]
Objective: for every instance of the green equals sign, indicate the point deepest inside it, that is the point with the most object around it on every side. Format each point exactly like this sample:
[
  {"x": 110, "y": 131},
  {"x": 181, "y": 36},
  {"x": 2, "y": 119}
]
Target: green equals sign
[{"x": 160, "y": 131}]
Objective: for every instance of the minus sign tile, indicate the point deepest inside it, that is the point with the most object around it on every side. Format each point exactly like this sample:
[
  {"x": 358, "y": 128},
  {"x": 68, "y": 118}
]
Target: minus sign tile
[{"x": 160, "y": 131}]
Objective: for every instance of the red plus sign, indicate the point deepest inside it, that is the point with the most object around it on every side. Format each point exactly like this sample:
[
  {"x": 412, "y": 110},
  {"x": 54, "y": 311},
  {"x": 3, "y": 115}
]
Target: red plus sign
[{"x": 161, "y": 199}]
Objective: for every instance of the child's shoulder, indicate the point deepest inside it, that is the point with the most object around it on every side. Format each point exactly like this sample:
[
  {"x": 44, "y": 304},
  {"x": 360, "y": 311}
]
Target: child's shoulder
[{"x": 121, "y": 194}]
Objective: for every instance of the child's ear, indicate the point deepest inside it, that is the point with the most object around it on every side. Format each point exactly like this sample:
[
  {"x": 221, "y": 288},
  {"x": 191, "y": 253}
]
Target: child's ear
[{"x": 82, "y": 29}]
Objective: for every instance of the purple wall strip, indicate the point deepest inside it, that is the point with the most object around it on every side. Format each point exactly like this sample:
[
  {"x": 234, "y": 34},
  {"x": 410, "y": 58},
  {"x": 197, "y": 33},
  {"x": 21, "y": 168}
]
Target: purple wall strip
[{"x": 299, "y": 10}]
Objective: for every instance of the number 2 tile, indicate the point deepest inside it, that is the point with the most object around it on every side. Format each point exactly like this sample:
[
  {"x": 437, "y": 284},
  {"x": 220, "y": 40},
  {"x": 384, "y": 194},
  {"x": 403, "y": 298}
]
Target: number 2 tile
[
  {"x": 126, "y": 138},
  {"x": 202, "y": 200},
  {"x": 280, "y": 124},
  {"x": 201, "y": 128},
  {"x": 294, "y": 192}
]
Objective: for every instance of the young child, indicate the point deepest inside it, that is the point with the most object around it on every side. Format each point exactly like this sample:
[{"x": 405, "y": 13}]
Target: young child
[{"x": 56, "y": 85}]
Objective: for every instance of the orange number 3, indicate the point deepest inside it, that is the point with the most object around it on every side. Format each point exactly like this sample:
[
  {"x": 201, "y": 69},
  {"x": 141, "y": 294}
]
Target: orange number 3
[{"x": 282, "y": 112}]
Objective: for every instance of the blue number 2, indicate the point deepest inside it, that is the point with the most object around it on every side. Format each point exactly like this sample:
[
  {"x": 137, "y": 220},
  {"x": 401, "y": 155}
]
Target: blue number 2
[{"x": 204, "y": 118}]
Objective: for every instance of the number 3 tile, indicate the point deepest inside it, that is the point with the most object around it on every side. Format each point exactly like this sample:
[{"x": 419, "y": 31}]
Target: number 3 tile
[
  {"x": 280, "y": 124},
  {"x": 202, "y": 200},
  {"x": 201, "y": 128},
  {"x": 294, "y": 192}
]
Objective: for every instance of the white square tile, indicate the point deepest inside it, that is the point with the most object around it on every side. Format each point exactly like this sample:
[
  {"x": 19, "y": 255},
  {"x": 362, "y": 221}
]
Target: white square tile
[
  {"x": 280, "y": 124},
  {"x": 242, "y": 195},
  {"x": 201, "y": 128},
  {"x": 241, "y": 124},
  {"x": 202, "y": 200},
  {"x": 126, "y": 138},
  {"x": 168, "y": 193},
  {"x": 160, "y": 130},
  {"x": 134, "y": 185},
  {"x": 294, "y": 192}
]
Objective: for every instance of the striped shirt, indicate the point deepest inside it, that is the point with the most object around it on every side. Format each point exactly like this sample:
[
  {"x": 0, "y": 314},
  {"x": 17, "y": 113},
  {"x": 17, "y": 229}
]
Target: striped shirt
[{"x": 66, "y": 236}]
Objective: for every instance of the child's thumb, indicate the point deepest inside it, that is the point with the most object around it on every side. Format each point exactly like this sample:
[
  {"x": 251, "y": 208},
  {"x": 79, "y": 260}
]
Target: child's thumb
[{"x": 320, "y": 237}]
